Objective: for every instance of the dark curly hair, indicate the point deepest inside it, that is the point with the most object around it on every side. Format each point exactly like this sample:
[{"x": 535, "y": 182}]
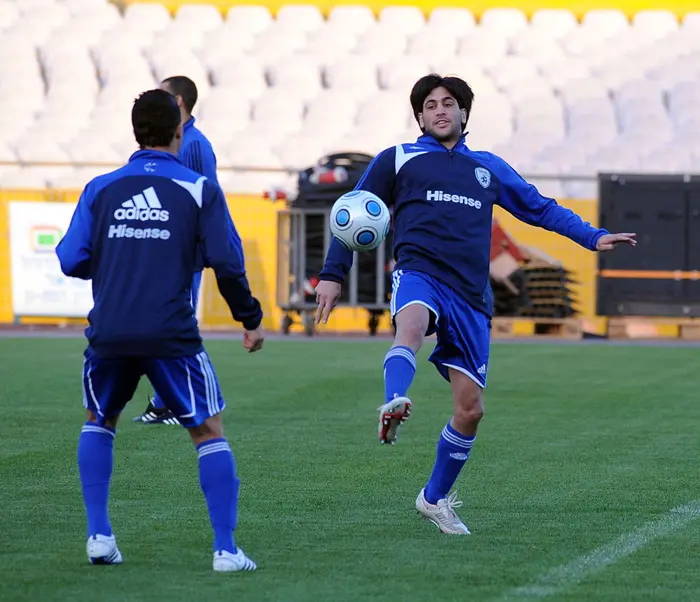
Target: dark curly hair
[{"x": 454, "y": 85}]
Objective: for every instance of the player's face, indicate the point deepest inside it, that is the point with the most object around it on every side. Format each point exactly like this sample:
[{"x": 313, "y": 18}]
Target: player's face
[{"x": 441, "y": 117}]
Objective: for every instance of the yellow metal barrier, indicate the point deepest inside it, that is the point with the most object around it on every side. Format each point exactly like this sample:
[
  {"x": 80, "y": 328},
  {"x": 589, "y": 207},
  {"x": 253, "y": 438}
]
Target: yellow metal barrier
[
  {"x": 580, "y": 8},
  {"x": 256, "y": 221}
]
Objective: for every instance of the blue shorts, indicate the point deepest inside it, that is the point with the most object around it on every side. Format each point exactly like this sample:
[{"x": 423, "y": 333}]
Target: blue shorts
[
  {"x": 463, "y": 333},
  {"x": 187, "y": 385}
]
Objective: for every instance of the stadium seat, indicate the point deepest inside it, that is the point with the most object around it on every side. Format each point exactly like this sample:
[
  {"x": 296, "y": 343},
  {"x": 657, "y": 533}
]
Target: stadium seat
[
  {"x": 432, "y": 44},
  {"x": 327, "y": 45},
  {"x": 378, "y": 45},
  {"x": 503, "y": 22},
  {"x": 482, "y": 48},
  {"x": 353, "y": 18},
  {"x": 9, "y": 15},
  {"x": 305, "y": 18},
  {"x": 202, "y": 17},
  {"x": 401, "y": 73},
  {"x": 554, "y": 23},
  {"x": 301, "y": 151},
  {"x": 248, "y": 76},
  {"x": 254, "y": 19},
  {"x": 352, "y": 75},
  {"x": 298, "y": 74},
  {"x": 454, "y": 22},
  {"x": 406, "y": 20},
  {"x": 146, "y": 17}
]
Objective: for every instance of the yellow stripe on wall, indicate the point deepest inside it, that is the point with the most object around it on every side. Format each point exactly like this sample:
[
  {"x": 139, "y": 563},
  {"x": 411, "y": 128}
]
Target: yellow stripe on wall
[{"x": 477, "y": 7}]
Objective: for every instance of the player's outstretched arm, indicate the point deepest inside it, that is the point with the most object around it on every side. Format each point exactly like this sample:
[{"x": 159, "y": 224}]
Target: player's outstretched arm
[
  {"x": 223, "y": 252},
  {"x": 524, "y": 201},
  {"x": 74, "y": 251},
  {"x": 377, "y": 179}
]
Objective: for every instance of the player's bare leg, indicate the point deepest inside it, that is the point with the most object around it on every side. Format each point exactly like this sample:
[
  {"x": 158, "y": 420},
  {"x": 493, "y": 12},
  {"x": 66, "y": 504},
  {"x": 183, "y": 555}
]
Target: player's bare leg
[
  {"x": 217, "y": 473},
  {"x": 399, "y": 367},
  {"x": 95, "y": 473},
  {"x": 456, "y": 440}
]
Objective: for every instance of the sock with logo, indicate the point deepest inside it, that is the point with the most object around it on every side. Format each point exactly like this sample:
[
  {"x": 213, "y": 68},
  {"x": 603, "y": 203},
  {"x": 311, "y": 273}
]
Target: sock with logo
[
  {"x": 399, "y": 370},
  {"x": 217, "y": 476},
  {"x": 95, "y": 461},
  {"x": 452, "y": 452}
]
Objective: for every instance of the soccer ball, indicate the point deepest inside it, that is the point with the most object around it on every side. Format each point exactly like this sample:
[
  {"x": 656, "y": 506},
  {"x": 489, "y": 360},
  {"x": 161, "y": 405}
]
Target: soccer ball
[{"x": 360, "y": 220}]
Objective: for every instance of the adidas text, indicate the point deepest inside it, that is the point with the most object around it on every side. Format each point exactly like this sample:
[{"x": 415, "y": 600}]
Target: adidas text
[
  {"x": 142, "y": 215},
  {"x": 441, "y": 195},
  {"x": 143, "y": 207},
  {"x": 124, "y": 231}
]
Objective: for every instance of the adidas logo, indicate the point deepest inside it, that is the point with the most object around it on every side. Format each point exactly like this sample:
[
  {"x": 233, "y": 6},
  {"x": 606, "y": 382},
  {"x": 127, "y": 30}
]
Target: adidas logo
[
  {"x": 144, "y": 207},
  {"x": 482, "y": 369},
  {"x": 459, "y": 456}
]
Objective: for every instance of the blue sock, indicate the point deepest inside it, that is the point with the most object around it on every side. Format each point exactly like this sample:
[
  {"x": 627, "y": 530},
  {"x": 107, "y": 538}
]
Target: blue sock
[
  {"x": 217, "y": 476},
  {"x": 452, "y": 452},
  {"x": 157, "y": 403},
  {"x": 95, "y": 460},
  {"x": 399, "y": 370}
]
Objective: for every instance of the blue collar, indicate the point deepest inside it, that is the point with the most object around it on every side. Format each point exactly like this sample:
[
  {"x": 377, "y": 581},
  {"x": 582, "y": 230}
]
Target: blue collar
[
  {"x": 428, "y": 140},
  {"x": 151, "y": 154},
  {"x": 188, "y": 124}
]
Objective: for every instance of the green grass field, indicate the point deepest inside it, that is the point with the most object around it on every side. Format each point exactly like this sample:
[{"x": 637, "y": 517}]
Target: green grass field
[{"x": 580, "y": 448}]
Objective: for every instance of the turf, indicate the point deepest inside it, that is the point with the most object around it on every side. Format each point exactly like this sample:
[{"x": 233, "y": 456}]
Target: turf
[{"x": 579, "y": 445}]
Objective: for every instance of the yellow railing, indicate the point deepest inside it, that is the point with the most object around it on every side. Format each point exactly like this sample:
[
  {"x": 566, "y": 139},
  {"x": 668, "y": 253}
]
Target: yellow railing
[{"x": 477, "y": 7}]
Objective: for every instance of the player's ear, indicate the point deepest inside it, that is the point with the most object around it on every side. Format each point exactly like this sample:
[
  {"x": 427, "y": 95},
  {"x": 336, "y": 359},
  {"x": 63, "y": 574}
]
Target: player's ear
[{"x": 464, "y": 115}]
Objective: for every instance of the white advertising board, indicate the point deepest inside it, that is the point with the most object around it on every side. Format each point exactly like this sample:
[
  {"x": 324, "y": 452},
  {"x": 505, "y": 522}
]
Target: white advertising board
[{"x": 38, "y": 286}]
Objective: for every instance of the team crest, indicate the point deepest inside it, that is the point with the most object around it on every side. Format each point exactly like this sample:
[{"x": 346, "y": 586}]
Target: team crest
[{"x": 483, "y": 176}]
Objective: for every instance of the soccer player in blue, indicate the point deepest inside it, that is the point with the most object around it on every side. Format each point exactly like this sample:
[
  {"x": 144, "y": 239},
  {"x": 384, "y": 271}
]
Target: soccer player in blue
[
  {"x": 197, "y": 153},
  {"x": 136, "y": 233},
  {"x": 443, "y": 193}
]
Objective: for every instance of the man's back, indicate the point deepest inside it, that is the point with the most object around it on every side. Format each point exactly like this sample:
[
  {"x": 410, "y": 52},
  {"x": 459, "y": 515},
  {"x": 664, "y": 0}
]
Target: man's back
[
  {"x": 197, "y": 152},
  {"x": 143, "y": 221}
]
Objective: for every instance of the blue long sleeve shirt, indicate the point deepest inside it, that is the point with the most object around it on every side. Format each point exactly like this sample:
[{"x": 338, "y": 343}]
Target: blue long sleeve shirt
[
  {"x": 136, "y": 233},
  {"x": 443, "y": 210},
  {"x": 196, "y": 152}
]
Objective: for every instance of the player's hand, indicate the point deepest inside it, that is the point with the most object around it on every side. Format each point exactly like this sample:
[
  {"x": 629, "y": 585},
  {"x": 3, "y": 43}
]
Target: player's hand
[
  {"x": 608, "y": 242},
  {"x": 327, "y": 293},
  {"x": 253, "y": 339}
]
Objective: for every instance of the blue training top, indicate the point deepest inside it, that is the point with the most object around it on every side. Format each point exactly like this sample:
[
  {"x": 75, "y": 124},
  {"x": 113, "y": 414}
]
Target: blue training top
[
  {"x": 135, "y": 232},
  {"x": 443, "y": 204}
]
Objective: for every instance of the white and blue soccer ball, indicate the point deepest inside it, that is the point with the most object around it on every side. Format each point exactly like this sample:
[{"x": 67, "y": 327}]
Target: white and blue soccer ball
[{"x": 360, "y": 220}]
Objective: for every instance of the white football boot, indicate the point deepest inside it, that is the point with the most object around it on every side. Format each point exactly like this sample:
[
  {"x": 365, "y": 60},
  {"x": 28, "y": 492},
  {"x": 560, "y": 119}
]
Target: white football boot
[
  {"x": 442, "y": 514},
  {"x": 103, "y": 550},
  {"x": 227, "y": 562},
  {"x": 391, "y": 416}
]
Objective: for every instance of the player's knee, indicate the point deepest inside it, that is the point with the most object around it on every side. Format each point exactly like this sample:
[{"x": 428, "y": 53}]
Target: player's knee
[
  {"x": 109, "y": 422},
  {"x": 211, "y": 428},
  {"x": 411, "y": 325},
  {"x": 469, "y": 410}
]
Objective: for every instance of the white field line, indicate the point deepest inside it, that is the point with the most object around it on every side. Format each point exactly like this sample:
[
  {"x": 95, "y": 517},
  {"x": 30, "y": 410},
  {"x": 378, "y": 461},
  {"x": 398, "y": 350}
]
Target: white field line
[{"x": 567, "y": 575}]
